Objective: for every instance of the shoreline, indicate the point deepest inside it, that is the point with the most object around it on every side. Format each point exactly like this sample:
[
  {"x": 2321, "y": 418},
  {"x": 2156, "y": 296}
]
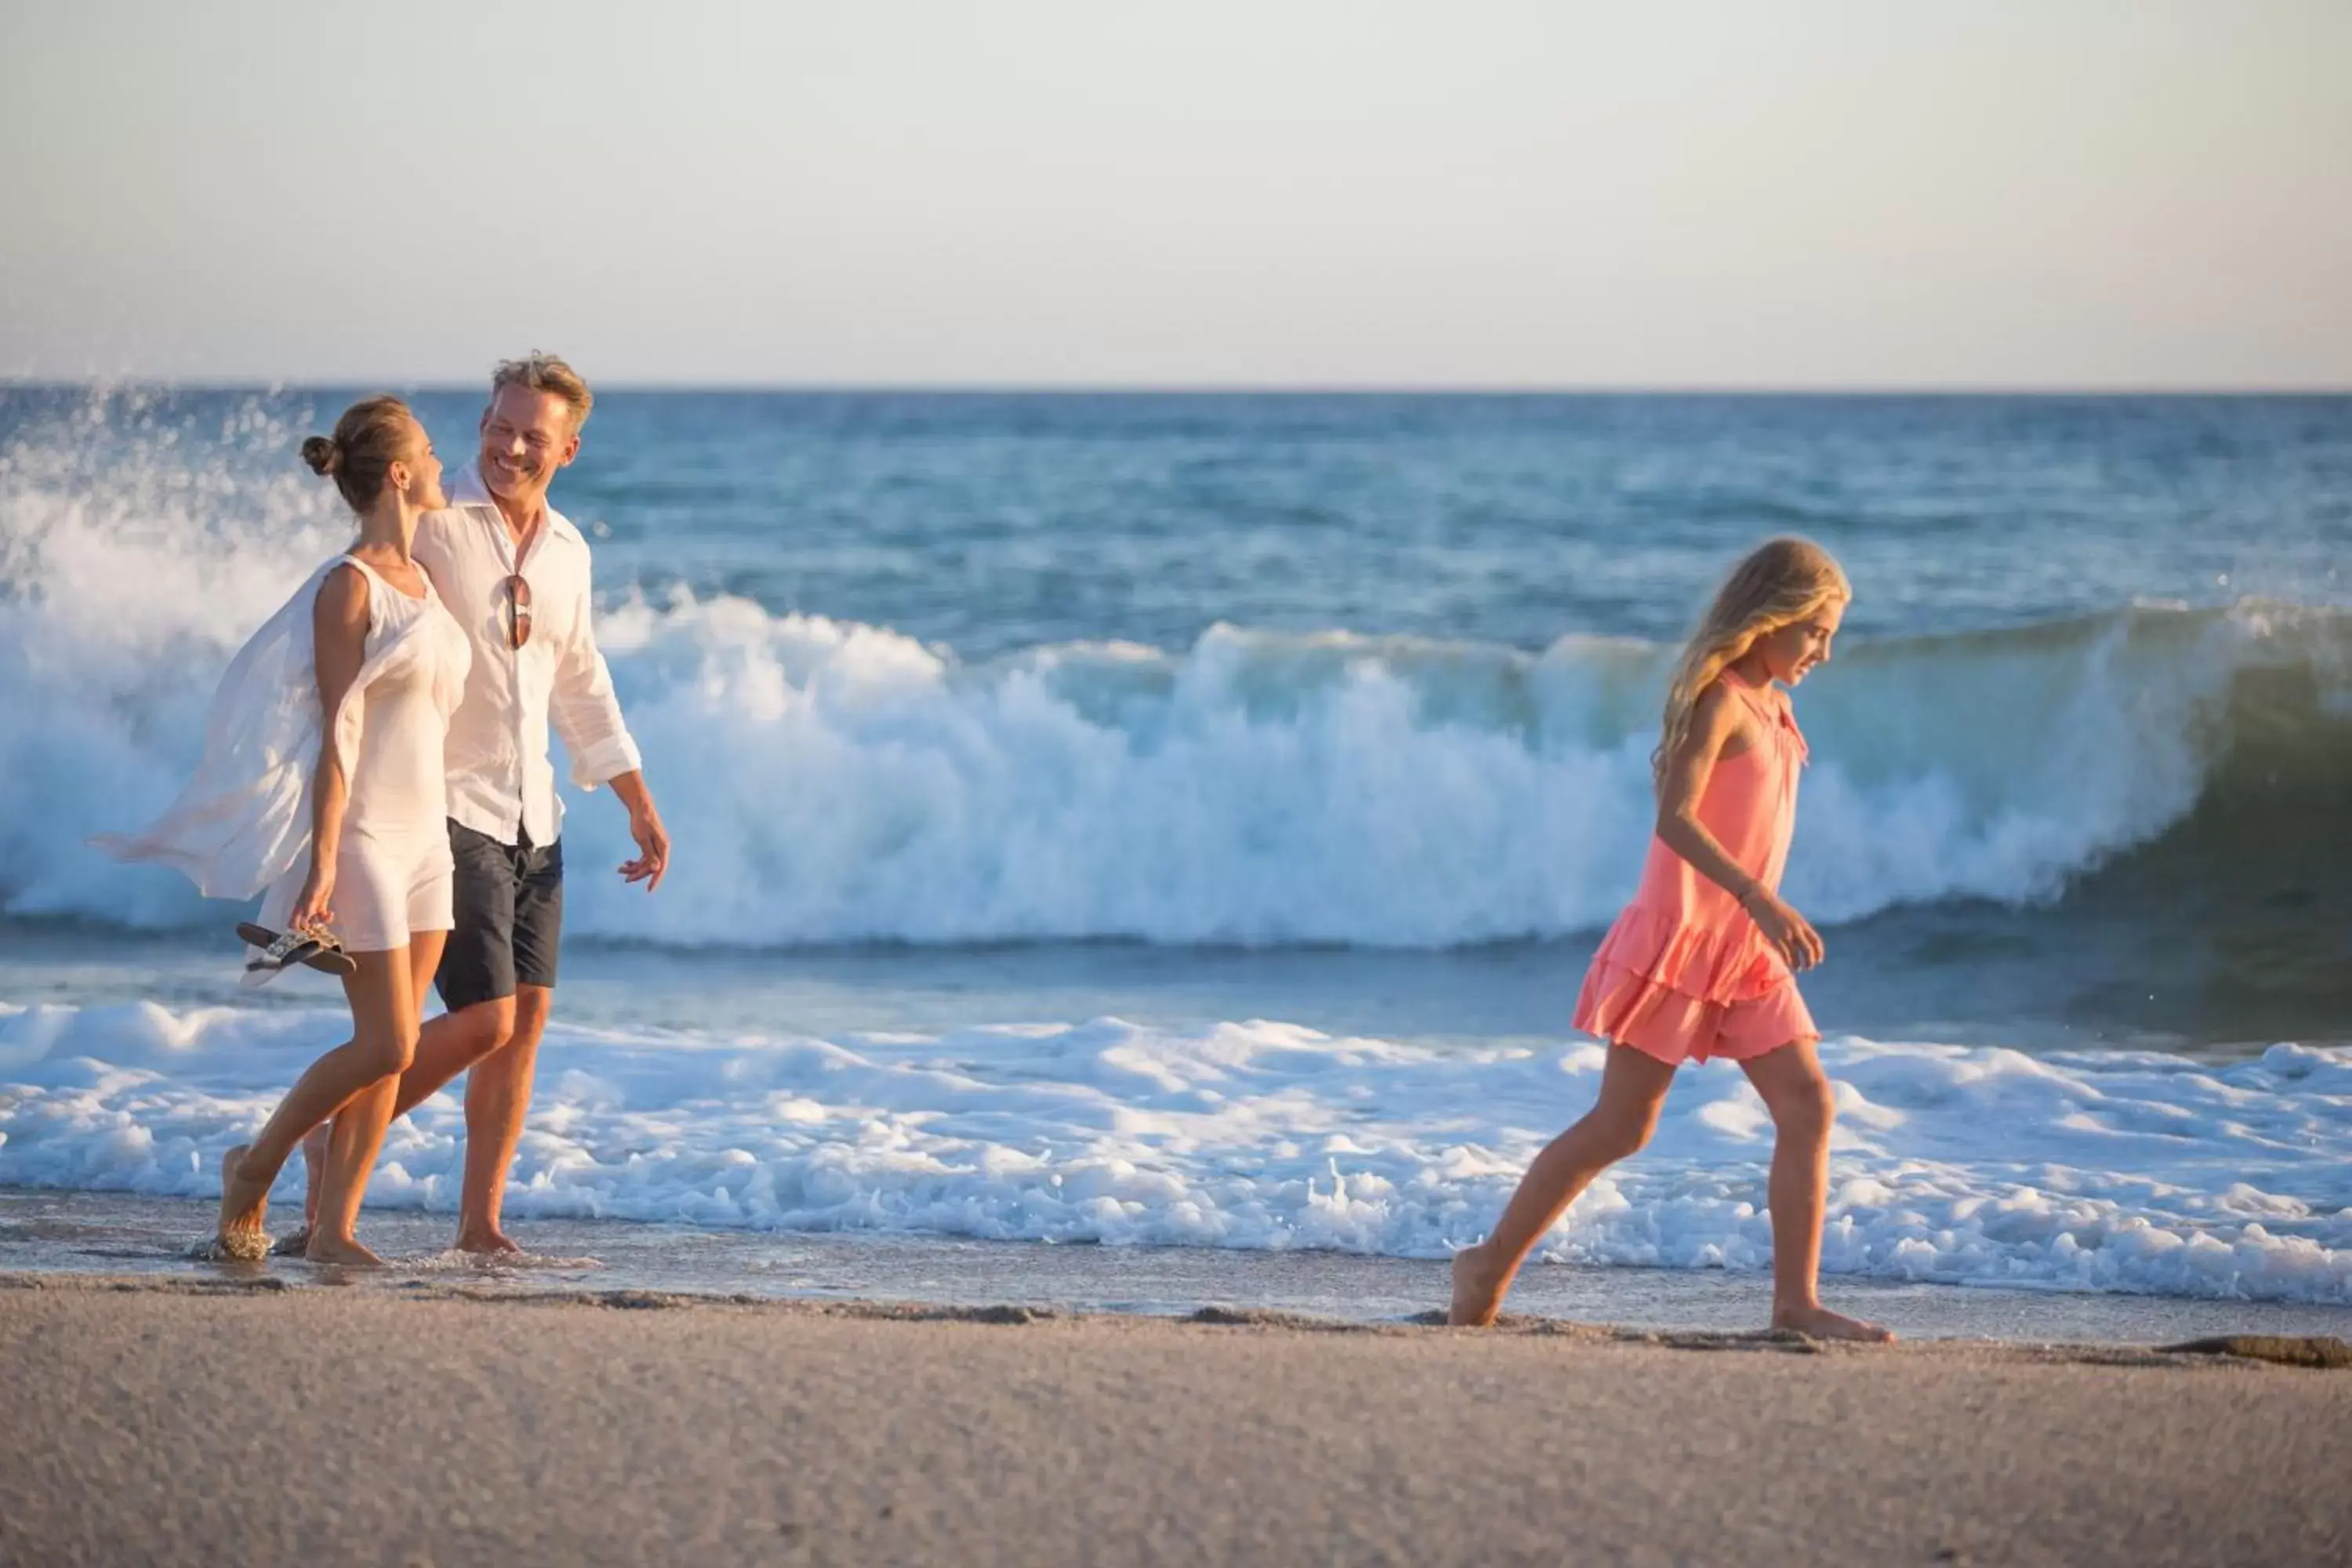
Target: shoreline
[
  {"x": 71, "y": 1234},
  {"x": 2318, "y": 1353},
  {"x": 194, "y": 1419}
]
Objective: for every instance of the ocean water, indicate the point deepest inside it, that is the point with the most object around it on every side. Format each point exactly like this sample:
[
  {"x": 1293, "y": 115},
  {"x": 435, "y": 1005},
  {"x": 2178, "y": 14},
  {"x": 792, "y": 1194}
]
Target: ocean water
[{"x": 1185, "y": 820}]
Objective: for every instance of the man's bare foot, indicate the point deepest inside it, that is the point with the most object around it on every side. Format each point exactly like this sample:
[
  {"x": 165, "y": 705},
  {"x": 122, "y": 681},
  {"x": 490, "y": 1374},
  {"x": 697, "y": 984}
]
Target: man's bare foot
[
  {"x": 1817, "y": 1321},
  {"x": 314, "y": 1173},
  {"x": 346, "y": 1250},
  {"x": 491, "y": 1243},
  {"x": 1477, "y": 1290},
  {"x": 243, "y": 1209}
]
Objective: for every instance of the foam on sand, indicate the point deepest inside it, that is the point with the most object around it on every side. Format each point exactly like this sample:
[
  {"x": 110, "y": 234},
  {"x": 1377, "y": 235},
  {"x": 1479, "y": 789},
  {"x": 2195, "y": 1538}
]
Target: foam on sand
[{"x": 2108, "y": 1171}]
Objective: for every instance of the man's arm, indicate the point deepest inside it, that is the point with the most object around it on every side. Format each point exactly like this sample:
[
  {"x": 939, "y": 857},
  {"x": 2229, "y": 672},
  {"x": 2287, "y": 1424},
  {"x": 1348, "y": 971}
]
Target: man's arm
[{"x": 587, "y": 715}]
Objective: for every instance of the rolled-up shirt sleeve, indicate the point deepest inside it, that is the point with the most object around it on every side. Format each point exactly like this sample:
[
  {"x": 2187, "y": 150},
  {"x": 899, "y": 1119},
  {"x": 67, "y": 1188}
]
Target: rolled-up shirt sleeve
[{"x": 585, "y": 712}]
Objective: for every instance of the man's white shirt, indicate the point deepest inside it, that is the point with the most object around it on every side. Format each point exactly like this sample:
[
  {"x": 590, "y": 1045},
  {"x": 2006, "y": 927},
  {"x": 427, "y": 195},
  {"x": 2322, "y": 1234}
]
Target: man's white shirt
[{"x": 500, "y": 780}]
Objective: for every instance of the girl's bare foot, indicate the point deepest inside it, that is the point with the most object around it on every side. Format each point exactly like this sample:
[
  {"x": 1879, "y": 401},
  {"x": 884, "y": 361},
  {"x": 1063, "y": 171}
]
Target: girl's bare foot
[
  {"x": 1477, "y": 1290},
  {"x": 487, "y": 1243},
  {"x": 346, "y": 1250},
  {"x": 1817, "y": 1321},
  {"x": 243, "y": 1209}
]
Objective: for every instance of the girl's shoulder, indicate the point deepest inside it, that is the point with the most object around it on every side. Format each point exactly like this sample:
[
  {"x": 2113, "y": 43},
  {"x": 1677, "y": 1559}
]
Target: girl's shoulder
[
  {"x": 1742, "y": 715},
  {"x": 1727, "y": 695}
]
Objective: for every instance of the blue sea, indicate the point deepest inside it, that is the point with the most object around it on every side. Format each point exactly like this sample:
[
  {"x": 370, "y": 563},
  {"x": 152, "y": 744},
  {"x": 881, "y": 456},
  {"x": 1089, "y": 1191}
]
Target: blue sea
[{"x": 1183, "y": 820}]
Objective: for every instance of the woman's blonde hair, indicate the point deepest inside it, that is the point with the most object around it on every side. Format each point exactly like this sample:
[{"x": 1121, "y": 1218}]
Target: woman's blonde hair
[
  {"x": 373, "y": 435},
  {"x": 1781, "y": 582}
]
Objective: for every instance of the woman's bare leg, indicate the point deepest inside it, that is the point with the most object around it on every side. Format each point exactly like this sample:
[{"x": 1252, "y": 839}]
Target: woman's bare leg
[
  {"x": 1796, "y": 1092},
  {"x": 1632, "y": 1087},
  {"x": 383, "y": 1004},
  {"x": 424, "y": 961},
  {"x": 248, "y": 1169}
]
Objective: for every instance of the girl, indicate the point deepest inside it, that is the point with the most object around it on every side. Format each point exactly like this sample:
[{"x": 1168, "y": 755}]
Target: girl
[
  {"x": 322, "y": 781},
  {"x": 1700, "y": 963}
]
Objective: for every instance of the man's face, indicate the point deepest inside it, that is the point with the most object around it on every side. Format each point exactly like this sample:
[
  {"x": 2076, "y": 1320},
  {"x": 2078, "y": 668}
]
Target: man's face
[{"x": 526, "y": 436}]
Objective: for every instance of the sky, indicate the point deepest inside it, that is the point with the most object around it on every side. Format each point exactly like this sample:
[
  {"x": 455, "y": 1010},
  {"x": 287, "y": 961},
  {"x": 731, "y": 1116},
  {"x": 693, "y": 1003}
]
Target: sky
[{"x": 1814, "y": 194}]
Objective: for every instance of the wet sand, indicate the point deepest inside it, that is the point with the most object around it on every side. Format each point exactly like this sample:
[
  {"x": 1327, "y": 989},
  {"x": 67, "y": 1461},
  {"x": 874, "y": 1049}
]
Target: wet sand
[
  {"x": 51, "y": 1232},
  {"x": 171, "y": 1422}
]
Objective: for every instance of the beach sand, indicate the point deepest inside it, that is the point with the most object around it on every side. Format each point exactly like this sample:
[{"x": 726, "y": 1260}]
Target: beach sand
[{"x": 156, "y": 1421}]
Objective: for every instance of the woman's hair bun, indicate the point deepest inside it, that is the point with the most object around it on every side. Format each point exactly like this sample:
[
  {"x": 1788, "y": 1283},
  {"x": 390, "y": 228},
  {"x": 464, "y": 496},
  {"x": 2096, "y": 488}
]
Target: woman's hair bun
[
  {"x": 323, "y": 456},
  {"x": 373, "y": 435}
]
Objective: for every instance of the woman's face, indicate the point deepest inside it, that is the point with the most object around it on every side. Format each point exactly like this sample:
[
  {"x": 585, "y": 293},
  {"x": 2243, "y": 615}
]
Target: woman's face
[
  {"x": 1790, "y": 653},
  {"x": 423, "y": 490}
]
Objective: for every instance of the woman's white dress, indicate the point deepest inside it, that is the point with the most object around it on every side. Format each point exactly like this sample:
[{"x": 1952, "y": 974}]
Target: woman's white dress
[{"x": 243, "y": 823}]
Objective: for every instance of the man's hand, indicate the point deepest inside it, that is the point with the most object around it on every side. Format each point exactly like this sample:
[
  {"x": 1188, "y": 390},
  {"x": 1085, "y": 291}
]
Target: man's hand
[
  {"x": 652, "y": 863},
  {"x": 653, "y": 849}
]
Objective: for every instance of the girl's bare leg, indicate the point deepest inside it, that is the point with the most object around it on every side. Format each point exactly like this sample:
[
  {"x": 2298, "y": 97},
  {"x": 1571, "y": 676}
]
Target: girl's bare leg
[
  {"x": 1796, "y": 1092},
  {"x": 1632, "y": 1087}
]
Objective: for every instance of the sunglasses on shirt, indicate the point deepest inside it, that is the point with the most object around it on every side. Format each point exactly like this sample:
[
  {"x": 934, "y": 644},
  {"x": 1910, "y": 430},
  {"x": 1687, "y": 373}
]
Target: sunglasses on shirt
[{"x": 518, "y": 610}]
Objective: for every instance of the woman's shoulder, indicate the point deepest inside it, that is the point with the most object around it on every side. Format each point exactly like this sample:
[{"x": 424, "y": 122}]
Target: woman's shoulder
[
  {"x": 346, "y": 580},
  {"x": 346, "y": 595}
]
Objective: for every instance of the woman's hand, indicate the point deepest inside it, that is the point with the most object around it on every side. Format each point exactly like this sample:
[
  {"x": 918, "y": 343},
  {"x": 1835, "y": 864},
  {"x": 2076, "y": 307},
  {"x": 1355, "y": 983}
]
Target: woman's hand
[
  {"x": 1784, "y": 928},
  {"x": 314, "y": 906}
]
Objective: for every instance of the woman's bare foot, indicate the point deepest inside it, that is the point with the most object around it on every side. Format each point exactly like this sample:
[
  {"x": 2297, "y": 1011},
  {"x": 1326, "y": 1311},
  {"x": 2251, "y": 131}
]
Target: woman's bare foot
[
  {"x": 487, "y": 1243},
  {"x": 346, "y": 1250},
  {"x": 1817, "y": 1321},
  {"x": 243, "y": 1209},
  {"x": 1477, "y": 1290}
]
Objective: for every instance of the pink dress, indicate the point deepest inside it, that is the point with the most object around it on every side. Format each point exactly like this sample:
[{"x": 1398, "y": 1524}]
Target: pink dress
[{"x": 1684, "y": 973}]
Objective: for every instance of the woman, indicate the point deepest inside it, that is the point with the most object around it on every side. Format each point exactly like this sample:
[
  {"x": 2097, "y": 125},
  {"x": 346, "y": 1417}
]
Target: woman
[{"x": 322, "y": 781}]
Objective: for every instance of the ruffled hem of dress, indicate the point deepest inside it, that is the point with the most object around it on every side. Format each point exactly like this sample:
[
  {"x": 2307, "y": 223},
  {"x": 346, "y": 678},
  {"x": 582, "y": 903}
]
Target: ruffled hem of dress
[{"x": 1712, "y": 966}]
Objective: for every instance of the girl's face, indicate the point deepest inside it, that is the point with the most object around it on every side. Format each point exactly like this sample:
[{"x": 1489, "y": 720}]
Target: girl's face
[{"x": 1790, "y": 652}]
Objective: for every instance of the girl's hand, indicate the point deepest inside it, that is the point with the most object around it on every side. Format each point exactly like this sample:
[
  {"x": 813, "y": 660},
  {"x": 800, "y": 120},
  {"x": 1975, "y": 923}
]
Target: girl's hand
[
  {"x": 1785, "y": 929},
  {"x": 314, "y": 906}
]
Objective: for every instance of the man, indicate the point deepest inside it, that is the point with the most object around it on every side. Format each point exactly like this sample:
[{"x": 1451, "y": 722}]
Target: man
[{"x": 515, "y": 573}]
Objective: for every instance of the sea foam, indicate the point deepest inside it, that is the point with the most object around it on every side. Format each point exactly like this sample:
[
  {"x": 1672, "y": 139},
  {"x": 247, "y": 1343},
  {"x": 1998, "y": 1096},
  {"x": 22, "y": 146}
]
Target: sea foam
[
  {"x": 2108, "y": 1171},
  {"x": 827, "y": 781}
]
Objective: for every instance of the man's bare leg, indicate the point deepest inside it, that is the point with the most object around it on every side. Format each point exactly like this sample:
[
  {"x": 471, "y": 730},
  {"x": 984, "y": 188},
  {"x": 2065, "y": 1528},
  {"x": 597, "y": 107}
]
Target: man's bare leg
[{"x": 497, "y": 1099}]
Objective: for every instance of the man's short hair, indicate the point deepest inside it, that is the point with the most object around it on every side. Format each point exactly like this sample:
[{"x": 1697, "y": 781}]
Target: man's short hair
[{"x": 545, "y": 372}]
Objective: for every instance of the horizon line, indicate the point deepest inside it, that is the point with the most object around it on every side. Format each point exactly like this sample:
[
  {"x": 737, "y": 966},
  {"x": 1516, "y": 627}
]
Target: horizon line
[{"x": 1217, "y": 389}]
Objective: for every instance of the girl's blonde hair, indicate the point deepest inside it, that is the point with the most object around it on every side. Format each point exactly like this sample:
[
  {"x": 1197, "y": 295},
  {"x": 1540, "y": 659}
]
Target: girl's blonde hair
[{"x": 1781, "y": 582}]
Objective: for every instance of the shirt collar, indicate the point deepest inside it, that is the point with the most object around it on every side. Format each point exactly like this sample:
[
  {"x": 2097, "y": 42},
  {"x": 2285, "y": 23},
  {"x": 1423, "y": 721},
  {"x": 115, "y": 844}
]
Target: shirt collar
[{"x": 469, "y": 490}]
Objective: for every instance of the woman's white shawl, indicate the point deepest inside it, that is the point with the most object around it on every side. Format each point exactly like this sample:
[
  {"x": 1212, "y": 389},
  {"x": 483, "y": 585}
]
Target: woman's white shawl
[{"x": 244, "y": 820}]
